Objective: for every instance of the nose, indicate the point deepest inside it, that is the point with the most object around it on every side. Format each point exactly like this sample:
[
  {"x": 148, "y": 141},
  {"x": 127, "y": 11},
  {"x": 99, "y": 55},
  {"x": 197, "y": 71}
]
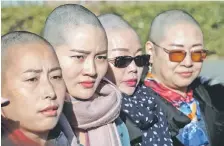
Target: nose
[
  {"x": 187, "y": 60},
  {"x": 48, "y": 90},
  {"x": 89, "y": 68},
  {"x": 132, "y": 67}
]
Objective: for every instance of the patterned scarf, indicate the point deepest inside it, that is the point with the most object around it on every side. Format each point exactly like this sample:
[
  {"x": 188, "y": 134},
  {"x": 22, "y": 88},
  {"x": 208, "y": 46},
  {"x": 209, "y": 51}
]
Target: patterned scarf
[
  {"x": 193, "y": 134},
  {"x": 149, "y": 118}
]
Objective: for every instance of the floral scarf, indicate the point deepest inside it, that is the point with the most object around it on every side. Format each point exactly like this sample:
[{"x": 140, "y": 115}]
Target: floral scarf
[{"x": 193, "y": 134}]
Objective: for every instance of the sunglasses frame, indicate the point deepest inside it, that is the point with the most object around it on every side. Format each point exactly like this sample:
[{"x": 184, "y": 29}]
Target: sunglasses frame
[
  {"x": 184, "y": 52},
  {"x": 113, "y": 60}
]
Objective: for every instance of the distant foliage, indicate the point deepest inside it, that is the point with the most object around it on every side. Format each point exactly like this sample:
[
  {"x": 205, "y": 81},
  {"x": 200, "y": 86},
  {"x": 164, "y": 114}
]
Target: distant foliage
[{"x": 210, "y": 15}]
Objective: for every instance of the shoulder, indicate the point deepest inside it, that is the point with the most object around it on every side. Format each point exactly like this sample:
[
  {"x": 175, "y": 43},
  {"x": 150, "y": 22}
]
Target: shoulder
[{"x": 210, "y": 91}]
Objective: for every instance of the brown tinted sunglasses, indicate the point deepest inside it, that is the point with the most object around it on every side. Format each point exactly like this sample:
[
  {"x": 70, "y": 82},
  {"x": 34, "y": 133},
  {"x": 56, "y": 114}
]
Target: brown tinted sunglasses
[{"x": 179, "y": 55}]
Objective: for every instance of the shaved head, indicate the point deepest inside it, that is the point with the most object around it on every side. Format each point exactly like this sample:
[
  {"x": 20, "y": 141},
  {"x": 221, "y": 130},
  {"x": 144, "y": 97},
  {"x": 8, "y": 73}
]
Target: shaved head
[
  {"x": 17, "y": 38},
  {"x": 167, "y": 19},
  {"x": 65, "y": 18},
  {"x": 113, "y": 21},
  {"x": 31, "y": 76},
  {"x": 122, "y": 41},
  {"x": 80, "y": 43}
]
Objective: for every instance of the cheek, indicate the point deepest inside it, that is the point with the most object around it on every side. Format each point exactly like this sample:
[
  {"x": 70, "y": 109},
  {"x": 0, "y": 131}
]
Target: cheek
[
  {"x": 117, "y": 74},
  {"x": 168, "y": 69},
  {"x": 197, "y": 68},
  {"x": 140, "y": 70},
  {"x": 60, "y": 91},
  {"x": 70, "y": 70},
  {"x": 24, "y": 100},
  {"x": 102, "y": 69}
]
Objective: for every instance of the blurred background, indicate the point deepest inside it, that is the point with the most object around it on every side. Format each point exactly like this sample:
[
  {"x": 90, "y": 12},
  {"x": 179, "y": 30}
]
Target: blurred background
[{"x": 31, "y": 15}]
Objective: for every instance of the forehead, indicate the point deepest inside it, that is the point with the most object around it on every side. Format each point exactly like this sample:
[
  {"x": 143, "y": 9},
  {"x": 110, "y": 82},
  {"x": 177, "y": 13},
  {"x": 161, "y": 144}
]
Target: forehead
[
  {"x": 32, "y": 55},
  {"x": 87, "y": 37},
  {"x": 123, "y": 38},
  {"x": 184, "y": 33}
]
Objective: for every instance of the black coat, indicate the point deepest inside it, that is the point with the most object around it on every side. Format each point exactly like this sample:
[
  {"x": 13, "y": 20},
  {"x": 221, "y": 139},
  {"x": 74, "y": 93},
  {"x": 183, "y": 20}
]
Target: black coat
[{"x": 211, "y": 103}]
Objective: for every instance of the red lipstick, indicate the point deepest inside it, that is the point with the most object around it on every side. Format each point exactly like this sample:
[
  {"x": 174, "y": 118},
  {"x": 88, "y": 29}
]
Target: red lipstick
[
  {"x": 131, "y": 82},
  {"x": 87, "y": 84}
]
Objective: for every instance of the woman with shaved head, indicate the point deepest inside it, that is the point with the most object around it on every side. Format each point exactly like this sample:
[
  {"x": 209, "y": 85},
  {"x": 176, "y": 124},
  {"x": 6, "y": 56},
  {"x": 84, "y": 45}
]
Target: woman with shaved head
[
  {"x": 93, "y": 103},
  {"x": 146, "y": 123},
  {"x": 33, "y": 86},
  {"x": 176, "y": 46}
]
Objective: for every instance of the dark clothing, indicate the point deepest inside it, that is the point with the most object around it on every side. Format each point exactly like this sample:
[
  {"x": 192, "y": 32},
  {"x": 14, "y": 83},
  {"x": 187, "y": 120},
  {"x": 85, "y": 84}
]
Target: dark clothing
[
  {"x": 211, "y": 99},
  {"x": 145, "y": 120}
]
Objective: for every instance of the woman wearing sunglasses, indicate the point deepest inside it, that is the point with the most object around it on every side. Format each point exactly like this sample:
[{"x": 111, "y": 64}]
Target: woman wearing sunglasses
[
  {"x": 145, "y": 121},
  {"x": 93, "y": 103},
  {"x": 177, "y": 52}
]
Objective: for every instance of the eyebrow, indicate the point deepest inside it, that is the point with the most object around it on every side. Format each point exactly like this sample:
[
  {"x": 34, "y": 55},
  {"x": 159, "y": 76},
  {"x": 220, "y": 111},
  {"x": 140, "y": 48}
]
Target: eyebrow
[
  {"x": 140, "y": 49},
  {"x": 102, "y": 52},
  {"x": 196, "y": 45},
  {"x": 176, "y": 45},
  {"x": 80, "y": 51},
  {"x": 120, "y": 49},
  {"x": 33, "y": 70},
  {"x": 179, "y": 45},
  {"x": 40, "y": 70},
  {"x": 54, "y": 69}
]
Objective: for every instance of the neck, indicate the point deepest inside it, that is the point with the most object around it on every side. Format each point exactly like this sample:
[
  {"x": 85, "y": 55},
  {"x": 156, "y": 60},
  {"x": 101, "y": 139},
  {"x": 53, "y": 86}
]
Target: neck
[{"x": 40, "y": 138}]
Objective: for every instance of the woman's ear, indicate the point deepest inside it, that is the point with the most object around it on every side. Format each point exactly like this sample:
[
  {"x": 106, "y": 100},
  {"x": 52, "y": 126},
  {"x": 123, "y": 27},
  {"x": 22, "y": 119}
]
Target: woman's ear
[{"x": 149, "y": 50}]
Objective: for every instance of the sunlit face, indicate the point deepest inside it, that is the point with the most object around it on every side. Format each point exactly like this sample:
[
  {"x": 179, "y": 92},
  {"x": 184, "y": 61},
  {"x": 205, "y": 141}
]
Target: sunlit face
[
  {"x": 124, "y": 42},
  {"x": 33, "y": 82},
  {"x": 182, "y": 36},
  {"x": 83, "y": 60}
]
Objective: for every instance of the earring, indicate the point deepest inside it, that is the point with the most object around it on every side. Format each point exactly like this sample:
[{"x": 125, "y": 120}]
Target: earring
[{"x": 150, "y": 68}]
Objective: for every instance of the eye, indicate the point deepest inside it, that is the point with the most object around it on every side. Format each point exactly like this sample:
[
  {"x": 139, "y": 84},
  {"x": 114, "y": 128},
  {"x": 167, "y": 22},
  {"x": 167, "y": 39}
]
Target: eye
[
  {"x": 32, "y": 80},
  {"x": 101, "y": 58},
  {"x": 57, "y": 77},
  {"x": 78, "y": 57}
]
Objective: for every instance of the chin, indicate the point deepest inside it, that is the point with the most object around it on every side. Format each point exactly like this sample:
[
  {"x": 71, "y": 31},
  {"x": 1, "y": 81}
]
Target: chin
[
  {"x": 129, "y": 92},
  {"x": 184, "y": 83},
  {"x": 86, "y": 94},
  {"x": 44, "y": 127},
  {"x": 82, "y": 93}
]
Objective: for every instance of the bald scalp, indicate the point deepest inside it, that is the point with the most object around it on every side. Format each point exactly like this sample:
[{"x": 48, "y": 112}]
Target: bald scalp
[
  {"x": 67, "y": 17},
  {"x": 167, "y": 19},
  {"x": 113, "y": 21},
  {"x": 17, "y": 38}
]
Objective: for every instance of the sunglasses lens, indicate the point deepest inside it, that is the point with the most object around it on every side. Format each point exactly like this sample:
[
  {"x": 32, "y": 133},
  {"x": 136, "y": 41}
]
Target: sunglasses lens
[
  {"x": 142, "y": 60},
  {"x": 122, "y": 61},
  {"x": 177, "y": 56},
  {"x": 198, "y": 56}
]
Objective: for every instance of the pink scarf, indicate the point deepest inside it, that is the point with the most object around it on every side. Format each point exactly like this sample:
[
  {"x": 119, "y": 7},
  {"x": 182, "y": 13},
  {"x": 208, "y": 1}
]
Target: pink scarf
[{"x": 96, "y": 117}]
